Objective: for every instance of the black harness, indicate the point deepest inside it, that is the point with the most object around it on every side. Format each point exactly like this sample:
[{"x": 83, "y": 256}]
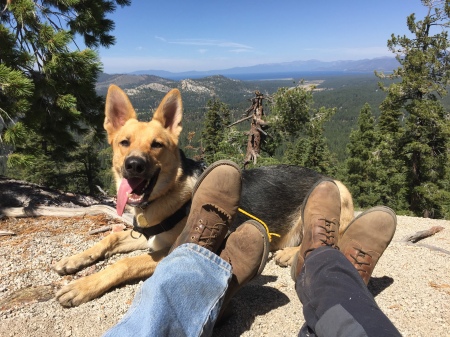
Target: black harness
[
  {"x": 166, "y": 224},
  {"x": 169, "y": 223}
]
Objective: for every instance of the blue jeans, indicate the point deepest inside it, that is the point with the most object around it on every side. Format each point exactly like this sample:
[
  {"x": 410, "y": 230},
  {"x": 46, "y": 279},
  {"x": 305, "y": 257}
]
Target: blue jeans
[{"x": 182, "y": 298}]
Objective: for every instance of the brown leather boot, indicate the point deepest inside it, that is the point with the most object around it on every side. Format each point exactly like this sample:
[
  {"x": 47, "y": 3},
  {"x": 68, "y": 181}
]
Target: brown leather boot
[
  {"x": 246, "y": 250},
  {"x": 321, "y": 212},
  {"x": 367, "y": 237},
  {"x": 214, "y": 204}
]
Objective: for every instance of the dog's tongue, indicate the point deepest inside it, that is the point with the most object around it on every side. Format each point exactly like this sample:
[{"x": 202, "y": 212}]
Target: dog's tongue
[
  {"x": 127, "y": 187},
  {"x": 122, "y": 195}
]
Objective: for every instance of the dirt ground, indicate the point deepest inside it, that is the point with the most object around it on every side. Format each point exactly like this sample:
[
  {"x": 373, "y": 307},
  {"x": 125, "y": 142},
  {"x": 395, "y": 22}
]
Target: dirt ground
[{"x": 411, "y": 283}]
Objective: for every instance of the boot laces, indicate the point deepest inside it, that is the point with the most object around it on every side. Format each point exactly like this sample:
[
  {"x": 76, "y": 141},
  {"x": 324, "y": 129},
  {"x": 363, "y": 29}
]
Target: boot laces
[
  {"x": 361, "y": 259},
  {"x": 328, "y": 236},
  {"x": 214, "y": 229},
  {"x": 328, "y": 233}
]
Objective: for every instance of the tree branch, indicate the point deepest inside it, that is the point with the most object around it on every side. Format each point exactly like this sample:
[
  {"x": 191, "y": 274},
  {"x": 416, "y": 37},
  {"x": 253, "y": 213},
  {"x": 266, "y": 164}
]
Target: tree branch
[{"x": 239, "y": 121}]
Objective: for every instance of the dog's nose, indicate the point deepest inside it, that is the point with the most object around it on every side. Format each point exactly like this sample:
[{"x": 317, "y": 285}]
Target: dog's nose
[{"x": 135, "y": 165}]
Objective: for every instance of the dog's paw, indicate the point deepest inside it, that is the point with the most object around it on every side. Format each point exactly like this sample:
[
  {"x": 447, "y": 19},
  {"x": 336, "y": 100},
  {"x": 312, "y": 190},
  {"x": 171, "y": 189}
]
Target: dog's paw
[
  {"x": 76, "y": 292},
  {"x": 68, "y": 265},
  {"x": 285, "y": 256}
]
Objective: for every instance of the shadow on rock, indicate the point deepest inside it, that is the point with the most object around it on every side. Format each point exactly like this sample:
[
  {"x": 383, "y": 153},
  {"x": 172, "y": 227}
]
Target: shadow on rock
[
  {"x": 378, "y": 284},
  {"x": 251, "y": 301}
]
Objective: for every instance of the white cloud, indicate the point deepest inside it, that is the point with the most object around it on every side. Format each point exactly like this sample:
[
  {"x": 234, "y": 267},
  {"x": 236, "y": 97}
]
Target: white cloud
[
  {"x": 207, "y": 42},
  {"x": 160, "y": 38},
  {"x": 241, "y": 50}
]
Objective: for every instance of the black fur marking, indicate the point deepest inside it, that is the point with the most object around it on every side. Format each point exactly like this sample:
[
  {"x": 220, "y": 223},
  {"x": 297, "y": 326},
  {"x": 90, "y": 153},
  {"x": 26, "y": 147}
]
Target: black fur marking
[
  {"x": 191, "y": 167},
  {"x": 274, "y": 193}
]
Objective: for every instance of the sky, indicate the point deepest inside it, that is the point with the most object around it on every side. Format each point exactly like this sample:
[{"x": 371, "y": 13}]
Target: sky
[{"x": 183, "y": 35}]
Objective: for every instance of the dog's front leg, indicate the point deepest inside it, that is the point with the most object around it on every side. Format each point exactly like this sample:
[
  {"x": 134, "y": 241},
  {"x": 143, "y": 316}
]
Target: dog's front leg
[
  {"x": 284, "y": 257},
  {"x": 116, "y": 242},
  {"x": 95, "y": 285}
]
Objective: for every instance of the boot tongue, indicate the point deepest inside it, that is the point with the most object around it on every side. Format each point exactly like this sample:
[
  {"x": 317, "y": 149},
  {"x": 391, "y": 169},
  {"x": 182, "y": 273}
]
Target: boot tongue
[{"x": 125, "y": 188}]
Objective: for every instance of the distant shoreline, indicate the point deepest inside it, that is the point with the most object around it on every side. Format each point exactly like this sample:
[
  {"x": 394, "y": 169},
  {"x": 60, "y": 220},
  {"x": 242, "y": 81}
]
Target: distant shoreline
[{"x": 274, "y": 76}]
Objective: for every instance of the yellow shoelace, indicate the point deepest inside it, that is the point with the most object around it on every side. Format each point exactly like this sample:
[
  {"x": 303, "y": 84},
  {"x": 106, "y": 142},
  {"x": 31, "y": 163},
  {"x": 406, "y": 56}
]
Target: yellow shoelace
[{"x": 261, "y": 222}]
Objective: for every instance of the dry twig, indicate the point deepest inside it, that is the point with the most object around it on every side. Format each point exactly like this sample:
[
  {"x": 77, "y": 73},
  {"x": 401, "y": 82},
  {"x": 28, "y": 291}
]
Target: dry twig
[{"x": 423, "y": 234}]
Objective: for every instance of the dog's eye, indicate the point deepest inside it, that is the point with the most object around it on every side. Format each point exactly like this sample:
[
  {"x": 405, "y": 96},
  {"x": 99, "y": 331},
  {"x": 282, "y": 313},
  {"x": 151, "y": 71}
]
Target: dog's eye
[
  {"x": 125, "y": 143},
  {"x": 156, "y": 144}
]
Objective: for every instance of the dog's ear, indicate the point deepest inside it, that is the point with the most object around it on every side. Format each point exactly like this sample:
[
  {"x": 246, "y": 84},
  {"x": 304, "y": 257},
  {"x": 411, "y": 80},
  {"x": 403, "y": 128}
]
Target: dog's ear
[
  {"x": 118, "y": 110},
  {"x": 170, "y": 112}
]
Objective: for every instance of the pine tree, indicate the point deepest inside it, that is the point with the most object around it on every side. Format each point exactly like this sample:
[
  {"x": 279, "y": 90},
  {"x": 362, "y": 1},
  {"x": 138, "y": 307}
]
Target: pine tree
[
  {"x": 294, "y": 121},
  {"x": 217, "y": 118},
  {"x": 391, "y": 170},
  {"x": 421, "y": 142},
  {"x": 363, "y": 162},
  {"x": 289, "y": 117},
  {"x": 52, "y": 85},
  {"x": 86, "y": 165},
  {"x": 317, "y": 155},
  {"x": 290, "y": 111},
  {"x": 294, "y": 153}
]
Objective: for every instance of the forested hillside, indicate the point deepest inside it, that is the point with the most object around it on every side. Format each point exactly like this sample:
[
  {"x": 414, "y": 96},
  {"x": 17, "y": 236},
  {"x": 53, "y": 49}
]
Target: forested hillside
[
  {"x": 344, "y": 95},
  {"x": 346, "y": 92},
  {"x": 386, "y": 134}
]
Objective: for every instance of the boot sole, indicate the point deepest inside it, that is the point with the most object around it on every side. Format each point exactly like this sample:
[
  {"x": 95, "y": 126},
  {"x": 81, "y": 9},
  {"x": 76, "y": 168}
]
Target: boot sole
[
  {"x": 294, "y": 266},
  {"x": 266, "y": 251}
]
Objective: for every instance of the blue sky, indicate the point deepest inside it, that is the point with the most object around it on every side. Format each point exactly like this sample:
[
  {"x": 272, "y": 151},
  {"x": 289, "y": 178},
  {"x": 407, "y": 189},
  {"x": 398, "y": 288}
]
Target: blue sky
[{"x": 182, "y": 35}]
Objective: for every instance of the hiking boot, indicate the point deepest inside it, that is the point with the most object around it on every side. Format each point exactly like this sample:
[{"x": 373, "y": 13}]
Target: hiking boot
[
  {"x": 214, "y": 205},
  {"x": 246, "y": 250},
  {"x": 367, "y": 237},
  {"x": 321, "y": 211}
]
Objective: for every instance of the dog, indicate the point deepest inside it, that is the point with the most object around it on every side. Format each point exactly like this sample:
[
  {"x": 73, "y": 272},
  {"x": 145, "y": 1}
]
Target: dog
[{"x": 155, "y": 178}]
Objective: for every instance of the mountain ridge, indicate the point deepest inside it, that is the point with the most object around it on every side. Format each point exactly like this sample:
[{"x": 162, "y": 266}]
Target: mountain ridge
[{"x": 386, "y": 64}]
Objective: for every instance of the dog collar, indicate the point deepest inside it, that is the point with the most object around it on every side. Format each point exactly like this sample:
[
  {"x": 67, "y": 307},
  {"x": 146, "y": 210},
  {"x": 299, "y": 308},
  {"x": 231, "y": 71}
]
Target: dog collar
[{"x": 165, "y": 225}]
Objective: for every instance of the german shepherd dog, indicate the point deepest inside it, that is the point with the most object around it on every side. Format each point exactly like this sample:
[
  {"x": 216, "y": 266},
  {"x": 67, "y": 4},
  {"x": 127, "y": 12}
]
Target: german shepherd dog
[{"x": 155, "y": 178}]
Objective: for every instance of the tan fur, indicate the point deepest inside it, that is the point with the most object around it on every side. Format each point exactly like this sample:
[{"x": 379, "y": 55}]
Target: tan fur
[
  {"x": 347, "y": 210},
  {"x": 172, "y": 190}
]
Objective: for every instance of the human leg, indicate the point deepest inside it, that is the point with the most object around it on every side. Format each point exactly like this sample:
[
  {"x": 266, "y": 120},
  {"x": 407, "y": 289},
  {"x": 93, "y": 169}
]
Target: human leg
[
  {"x": 336, "y": 301},
  {"x": 184, "y": 295},
  {"x": 182, "y": 298}
]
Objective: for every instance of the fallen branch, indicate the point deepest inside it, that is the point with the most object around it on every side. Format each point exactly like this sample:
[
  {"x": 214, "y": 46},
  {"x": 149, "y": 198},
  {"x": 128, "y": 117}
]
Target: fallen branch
[
  {"x": 114, "y": 228},
  {"x": 100, "y": 230},
  {"x": 6, "y": 233},
  {"x": 423, "y": 234},
  {"x": 23, "y": 212}
]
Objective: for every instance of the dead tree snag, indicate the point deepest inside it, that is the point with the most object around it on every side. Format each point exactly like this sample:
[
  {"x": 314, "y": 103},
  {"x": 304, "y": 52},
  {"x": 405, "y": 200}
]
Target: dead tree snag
[{"x": 256, "y": 128}]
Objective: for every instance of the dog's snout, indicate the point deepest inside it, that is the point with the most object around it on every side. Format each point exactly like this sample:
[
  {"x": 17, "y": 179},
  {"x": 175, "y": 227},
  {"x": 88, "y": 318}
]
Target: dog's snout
[{"x": 135, "y": 165}]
